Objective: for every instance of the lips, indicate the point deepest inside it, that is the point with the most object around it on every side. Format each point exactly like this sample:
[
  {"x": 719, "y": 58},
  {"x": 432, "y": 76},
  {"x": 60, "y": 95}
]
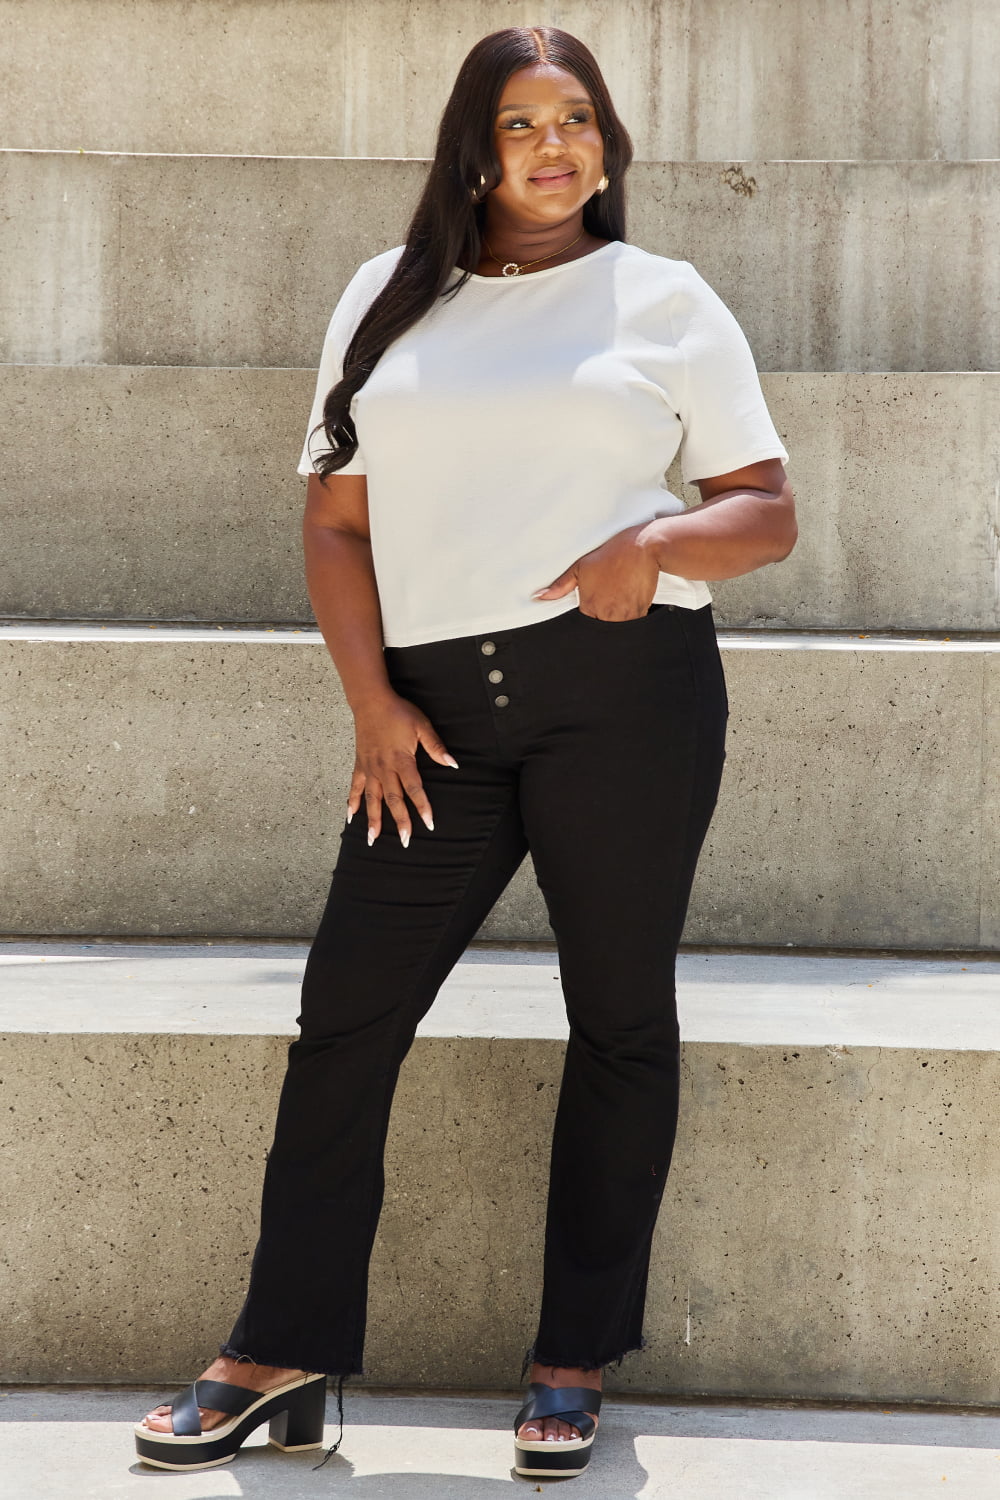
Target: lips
[{"x": 547, "y": 174}]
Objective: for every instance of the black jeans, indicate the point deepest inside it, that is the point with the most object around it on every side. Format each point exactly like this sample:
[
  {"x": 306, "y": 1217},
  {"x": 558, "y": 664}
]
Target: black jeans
[{"x": 599, "y": 746}]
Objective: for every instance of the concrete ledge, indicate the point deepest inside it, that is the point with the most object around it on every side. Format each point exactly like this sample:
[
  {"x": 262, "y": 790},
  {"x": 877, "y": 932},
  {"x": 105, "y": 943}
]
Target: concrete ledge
[
  {"x": 827, "y": 1232},
  {"x": 228, "y": 77},
  {"x": 187, "y": 260},
  {"x": 237, "y": 987},
  {"x": 170, "y": 780},
  {"x": 173, "y": 494}
]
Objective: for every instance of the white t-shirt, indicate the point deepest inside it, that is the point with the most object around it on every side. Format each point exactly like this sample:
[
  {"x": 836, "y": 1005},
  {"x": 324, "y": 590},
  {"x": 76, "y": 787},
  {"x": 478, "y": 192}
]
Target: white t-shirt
[{"x": 527, "y": 419}]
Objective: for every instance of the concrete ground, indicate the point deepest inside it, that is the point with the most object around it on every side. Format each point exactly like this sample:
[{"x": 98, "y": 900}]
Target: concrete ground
[{"x": 74, "y": 1442}]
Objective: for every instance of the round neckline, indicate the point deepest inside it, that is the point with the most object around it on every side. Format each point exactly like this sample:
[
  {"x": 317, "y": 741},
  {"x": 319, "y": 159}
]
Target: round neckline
[{"x": 549, "y": 271}]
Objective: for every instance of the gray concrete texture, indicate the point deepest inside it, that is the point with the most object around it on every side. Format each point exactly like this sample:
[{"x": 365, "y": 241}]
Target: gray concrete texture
[
  {"x": 719, "y": 80},
  {"x": 827, "y": 1230},
  {"x": 399, "y": 1446},
  {"x": 145, "y": 492},
  {"x": 173, "y": 495},
  {"x": 237, "y": 260},
  {"x": 168, "y": 781}
]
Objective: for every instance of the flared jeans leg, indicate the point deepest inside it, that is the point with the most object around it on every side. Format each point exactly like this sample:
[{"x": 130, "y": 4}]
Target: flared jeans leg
[
  {"x": 396, "y": 921},
  {"x": 615, "y": 833}
]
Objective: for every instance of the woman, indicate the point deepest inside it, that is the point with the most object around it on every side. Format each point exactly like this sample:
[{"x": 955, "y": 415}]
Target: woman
[{"x": 514, "y": 603}]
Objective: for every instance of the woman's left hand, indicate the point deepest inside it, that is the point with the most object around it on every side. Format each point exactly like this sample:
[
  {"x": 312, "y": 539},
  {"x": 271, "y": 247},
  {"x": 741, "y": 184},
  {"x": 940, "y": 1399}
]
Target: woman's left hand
[{"x": 617, "y": 580}]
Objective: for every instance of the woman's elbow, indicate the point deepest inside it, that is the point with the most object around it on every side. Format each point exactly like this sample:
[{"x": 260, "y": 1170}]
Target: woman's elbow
[{"x": 786, "y": 531}]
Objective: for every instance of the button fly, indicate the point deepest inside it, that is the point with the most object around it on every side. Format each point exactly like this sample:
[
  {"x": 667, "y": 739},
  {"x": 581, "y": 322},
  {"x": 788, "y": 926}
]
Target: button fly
[
  {"x": 496, "y": 675},
  {"x": 501, "y": 701},
  {"x": 488, "y": 648}
]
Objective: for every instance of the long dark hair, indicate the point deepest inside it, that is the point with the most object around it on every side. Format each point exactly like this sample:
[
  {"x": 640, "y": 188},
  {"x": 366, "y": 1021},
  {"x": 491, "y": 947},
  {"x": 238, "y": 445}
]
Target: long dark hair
[{"x": 446, "y": 228}]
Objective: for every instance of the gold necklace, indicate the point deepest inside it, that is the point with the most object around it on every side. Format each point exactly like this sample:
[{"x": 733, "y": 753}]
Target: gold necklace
[{"x": 511, "y": 267}]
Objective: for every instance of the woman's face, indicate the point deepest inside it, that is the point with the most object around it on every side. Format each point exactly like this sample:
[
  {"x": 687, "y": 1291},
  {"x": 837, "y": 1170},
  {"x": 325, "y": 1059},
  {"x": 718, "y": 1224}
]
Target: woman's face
[{"x": 549, "y": 146}]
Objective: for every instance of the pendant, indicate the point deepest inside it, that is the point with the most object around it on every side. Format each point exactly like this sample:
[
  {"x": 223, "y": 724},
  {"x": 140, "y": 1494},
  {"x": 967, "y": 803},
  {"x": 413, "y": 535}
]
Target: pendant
[{"x": 511, "y": 269}]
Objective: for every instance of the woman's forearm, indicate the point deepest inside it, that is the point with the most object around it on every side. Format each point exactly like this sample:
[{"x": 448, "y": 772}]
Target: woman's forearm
[
  {"x": 340, "y": 577},
  {"x": 731, "y": 534}
]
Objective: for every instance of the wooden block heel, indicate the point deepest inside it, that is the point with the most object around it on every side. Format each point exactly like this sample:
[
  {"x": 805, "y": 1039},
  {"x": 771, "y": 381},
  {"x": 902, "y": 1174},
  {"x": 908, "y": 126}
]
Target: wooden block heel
[{"x": 294, "y": 1412}]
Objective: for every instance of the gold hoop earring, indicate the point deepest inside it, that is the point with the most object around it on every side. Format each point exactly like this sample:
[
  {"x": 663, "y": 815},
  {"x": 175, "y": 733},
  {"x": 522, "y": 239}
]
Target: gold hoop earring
[{"x": 473, "y": 194}]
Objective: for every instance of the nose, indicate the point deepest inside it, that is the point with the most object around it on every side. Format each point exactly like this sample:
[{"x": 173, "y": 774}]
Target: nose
[{"x": 552, "y": 135}]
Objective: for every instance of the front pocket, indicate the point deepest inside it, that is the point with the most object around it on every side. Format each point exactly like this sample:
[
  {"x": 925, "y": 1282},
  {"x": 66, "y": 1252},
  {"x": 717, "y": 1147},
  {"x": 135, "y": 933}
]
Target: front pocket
[{"x": 617, "y": 624}]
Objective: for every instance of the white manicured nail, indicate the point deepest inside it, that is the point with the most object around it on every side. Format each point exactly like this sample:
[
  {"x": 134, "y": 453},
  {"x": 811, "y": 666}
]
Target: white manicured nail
[
  {"x": 371, "y": 837},
  {"x": 350, "y": 814},
  {"x": 404, "y": 838}
]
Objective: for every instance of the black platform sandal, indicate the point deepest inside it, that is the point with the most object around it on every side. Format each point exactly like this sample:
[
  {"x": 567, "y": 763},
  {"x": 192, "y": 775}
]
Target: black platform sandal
[
  {"x": 556, "y": 1460},
  {"x": 295, "y": 1411}
]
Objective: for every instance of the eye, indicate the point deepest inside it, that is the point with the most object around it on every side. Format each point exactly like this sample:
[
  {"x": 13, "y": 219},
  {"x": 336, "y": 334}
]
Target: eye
[{"x": 579, "y": 116}]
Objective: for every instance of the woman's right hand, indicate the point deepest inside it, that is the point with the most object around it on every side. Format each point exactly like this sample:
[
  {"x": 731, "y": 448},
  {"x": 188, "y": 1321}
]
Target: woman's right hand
[{"x": 387, "y": 732}]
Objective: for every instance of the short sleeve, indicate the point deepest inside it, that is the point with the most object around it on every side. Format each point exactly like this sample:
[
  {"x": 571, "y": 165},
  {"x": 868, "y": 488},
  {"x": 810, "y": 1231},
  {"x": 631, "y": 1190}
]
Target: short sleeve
[
  {"x": 722, "y": 409},
  {"x": 357, "y": 297}
]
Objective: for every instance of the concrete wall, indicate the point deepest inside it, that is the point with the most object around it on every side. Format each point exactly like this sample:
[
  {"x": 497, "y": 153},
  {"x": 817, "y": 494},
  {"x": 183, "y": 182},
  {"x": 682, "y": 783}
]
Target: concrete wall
[
  {"x": 238, "y": 260},
  {"x": 897, "y": 486},
  {"x": 719, "y": 79},
  {"x": 170, "y": 782},
  {"x": 132, "y": 492},
  {"x": 150, "y": 492},
  {"x": 829, "y": 1220}
]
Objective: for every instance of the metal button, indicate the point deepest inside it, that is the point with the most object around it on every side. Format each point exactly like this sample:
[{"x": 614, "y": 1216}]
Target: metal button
[
  {"x": 501, "y": 701},
  {"x": 488, "y": 648},
  {"x": 496, "y": 675}
]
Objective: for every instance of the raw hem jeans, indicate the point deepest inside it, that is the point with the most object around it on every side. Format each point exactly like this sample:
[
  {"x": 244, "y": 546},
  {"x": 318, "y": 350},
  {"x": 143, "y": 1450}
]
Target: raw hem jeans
[{"x": 599, "y": 746}]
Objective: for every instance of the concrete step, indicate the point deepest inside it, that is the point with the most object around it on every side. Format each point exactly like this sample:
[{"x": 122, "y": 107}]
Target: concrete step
[
  {"x": 198, "y": 260},
  {"x": 827, "y": 1230},
  {"x": 178, "y": 780},
  {"x": 863, "y": 78},
  {"x": 410, "y": 1446},
  {"x": 175, "y": 497}
]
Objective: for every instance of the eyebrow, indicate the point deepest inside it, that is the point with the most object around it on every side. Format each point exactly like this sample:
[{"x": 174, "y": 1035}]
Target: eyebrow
[{"x": 504, "y": 107}]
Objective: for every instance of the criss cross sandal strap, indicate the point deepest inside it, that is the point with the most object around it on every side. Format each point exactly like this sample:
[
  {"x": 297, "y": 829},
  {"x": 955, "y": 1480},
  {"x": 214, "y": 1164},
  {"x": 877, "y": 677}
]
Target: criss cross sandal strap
[
  {"x": 570, "y": 1404},
  {"x": 213, "y": 1395}
]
